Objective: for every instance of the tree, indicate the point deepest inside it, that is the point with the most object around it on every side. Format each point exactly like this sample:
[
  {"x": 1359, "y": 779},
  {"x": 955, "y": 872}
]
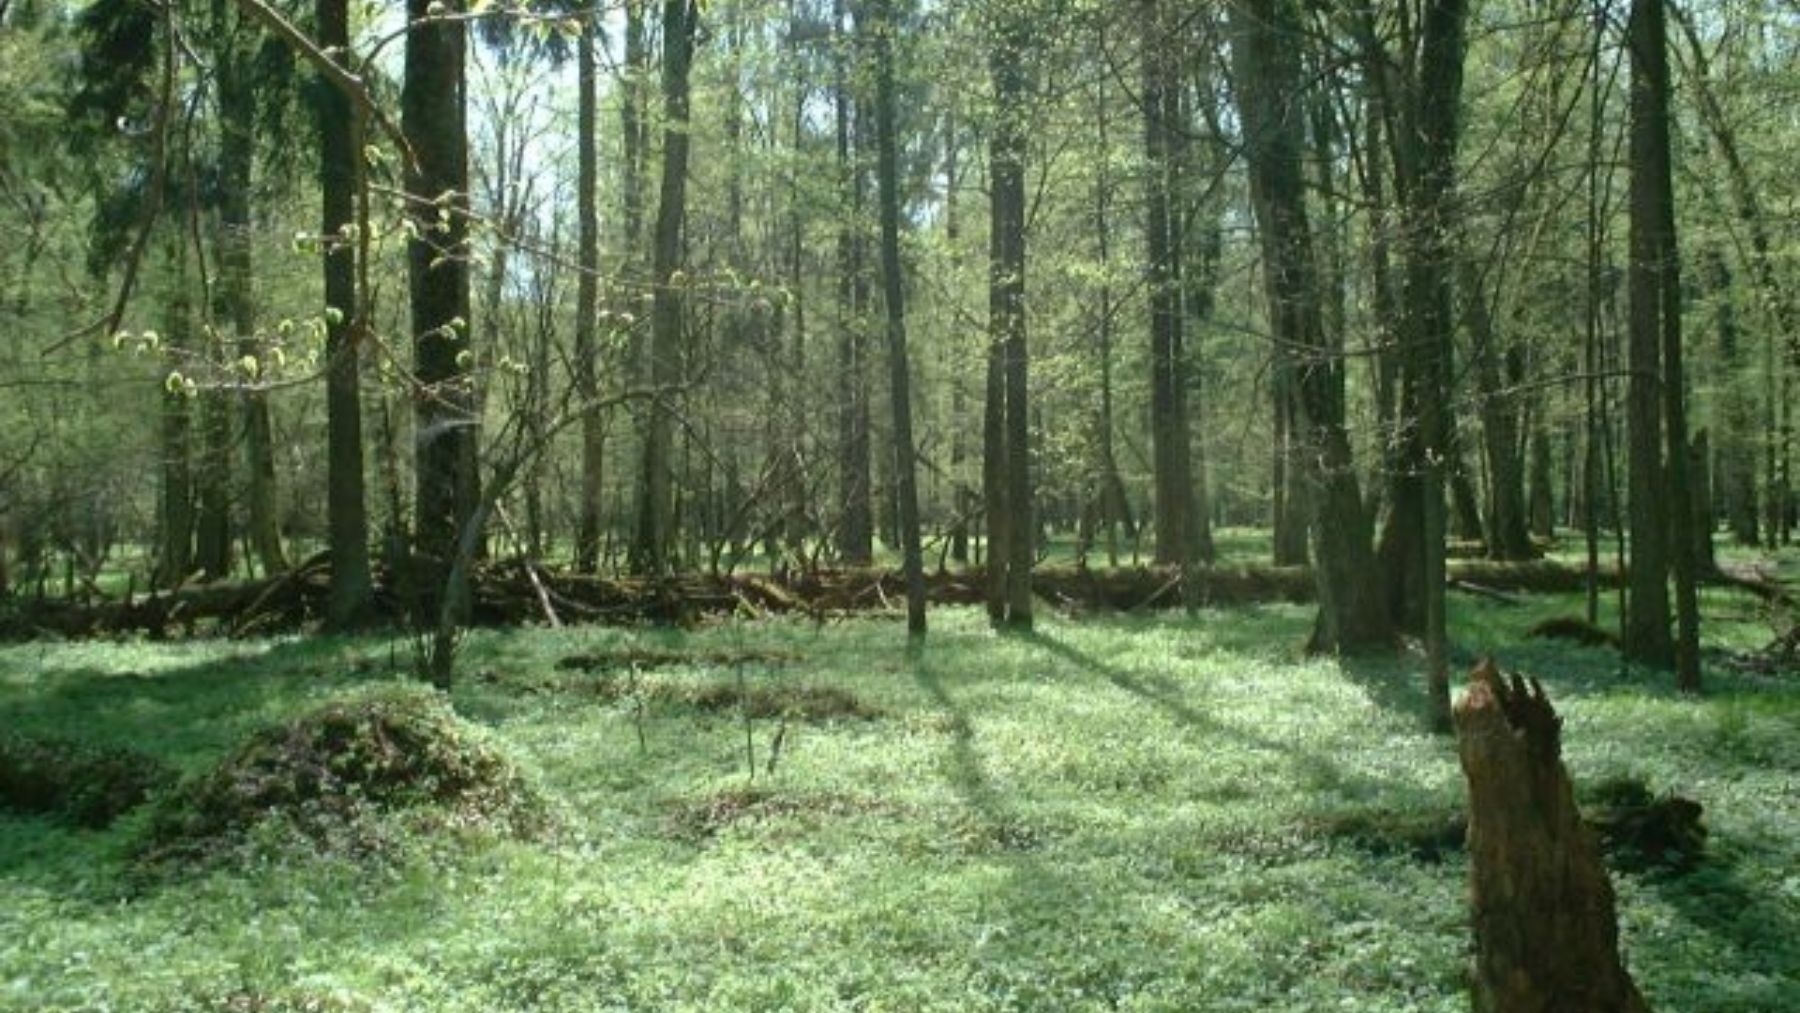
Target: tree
[
  {"x": 656, "y": 516},
  {"x": 1661, "y": 507},
  {"x": 885, "y": 30},
  {"x": 346, "y": 507},
  {"x": 175, "y": 516},
  {"x": 445, "y": 420},
  {"x": 1161, "y": 101},
  {"x": 856, "y": 525},
  {"x": 1266, "y": 75},
  {"x": 240, "y": 93},
  {"x": 1011, "y": 534},
  {"x": 587, "y": 298},
  {"x": 1422, "y": 96}
]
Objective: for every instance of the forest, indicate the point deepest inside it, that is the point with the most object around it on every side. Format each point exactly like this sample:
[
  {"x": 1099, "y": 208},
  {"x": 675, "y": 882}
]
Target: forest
[{"x": 899, "y": 505}]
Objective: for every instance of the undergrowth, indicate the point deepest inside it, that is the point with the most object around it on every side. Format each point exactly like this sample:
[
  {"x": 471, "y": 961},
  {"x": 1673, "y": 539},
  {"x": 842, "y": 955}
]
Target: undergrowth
[{"x": 1122, "y": 812}]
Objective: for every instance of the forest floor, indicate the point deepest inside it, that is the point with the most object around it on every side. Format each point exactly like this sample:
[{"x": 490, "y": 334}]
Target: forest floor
[{"x": 1145, "y": 812}]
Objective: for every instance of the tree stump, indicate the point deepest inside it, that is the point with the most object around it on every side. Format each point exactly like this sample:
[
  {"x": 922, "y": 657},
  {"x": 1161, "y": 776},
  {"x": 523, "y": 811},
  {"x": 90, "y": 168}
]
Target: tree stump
[{"x": 1546, "y": 936}]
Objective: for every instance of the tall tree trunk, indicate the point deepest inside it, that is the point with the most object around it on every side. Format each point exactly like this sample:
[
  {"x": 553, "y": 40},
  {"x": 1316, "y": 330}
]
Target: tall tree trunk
[
  {"x": 1646, "y": 637},
  {"x": 1429, "y": 307},
  {"x": 894, "y": 290},
  {"x": 347, "y": 518},
  {"x": 237, "y": 115},
  {"x": 1651, "y": 159},
  {"x": 856, "y": 526},
  {"x": 587, "y": 300},
  {"x": 1596, "y": 429},
  {"x": 1423, "y": 134},
  {"x": 1111, "y": 507},
  {"x": 1007, "y": 309},
  {"x": 656, "y": 516},
  {"x": 1203, "y": 251},
  {"x": 1700, "y": 475},
  {"x": 1465, "y": 505},
  {"x": 1543, "y": 496},
  {"x": 175, "y": 514},
  {"x": 212, "y": 531},
  {"x": 995, "y": 517},
  {"x": 634, "y": 128},
  {"x": 1290, "y": 510},
  {"x": 964, "y": 502},
  {"x": 1508, "y": 530},
  {"x": 799, "y": 525},
  {"x": 1266, "y": 35},
  {"x": 1737, "y": 454},
  {"x": 1171, "y": 443},
  {"x": 433, "y": 115}
]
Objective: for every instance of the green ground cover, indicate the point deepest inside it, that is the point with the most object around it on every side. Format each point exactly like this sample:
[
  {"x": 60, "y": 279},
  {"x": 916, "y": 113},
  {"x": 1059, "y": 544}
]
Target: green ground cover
[{"x": 1137, "y": 813}]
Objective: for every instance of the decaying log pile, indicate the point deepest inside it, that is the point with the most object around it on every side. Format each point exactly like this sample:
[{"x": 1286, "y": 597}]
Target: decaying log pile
[
  {"x": 1546, "y": 934},
  {"x": 513, "y": 592},
  {"x": 510, "y": 592}
]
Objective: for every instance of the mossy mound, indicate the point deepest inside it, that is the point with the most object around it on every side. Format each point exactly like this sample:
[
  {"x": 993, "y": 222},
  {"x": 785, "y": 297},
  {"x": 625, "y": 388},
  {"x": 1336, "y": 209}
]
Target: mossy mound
[
  {"x": 1641, "y": 830},
  {"x": 78, "y": 784},
  {"x": 331, "y": 776}
]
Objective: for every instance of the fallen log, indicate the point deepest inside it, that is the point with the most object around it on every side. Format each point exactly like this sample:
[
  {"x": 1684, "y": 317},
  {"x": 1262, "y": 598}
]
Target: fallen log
[
  {"x": 509, "y": 592},
  {"x": 1546, "y": 934}
]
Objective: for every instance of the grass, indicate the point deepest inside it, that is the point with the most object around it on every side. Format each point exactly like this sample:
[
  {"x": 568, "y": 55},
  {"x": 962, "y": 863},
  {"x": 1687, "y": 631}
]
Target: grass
[{"x": 1120, "y": 813}]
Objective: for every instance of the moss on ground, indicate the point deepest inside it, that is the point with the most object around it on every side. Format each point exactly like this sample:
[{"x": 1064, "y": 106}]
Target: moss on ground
[
  {"x": 331, "y": 773},
  {"x": 84, "y": 785}
]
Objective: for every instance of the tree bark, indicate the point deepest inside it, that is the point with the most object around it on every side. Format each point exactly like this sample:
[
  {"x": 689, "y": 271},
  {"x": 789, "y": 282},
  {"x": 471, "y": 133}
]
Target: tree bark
[
  {"x": 212, "y": 525},
  {"x": 1736, "y": 472},
  {"x": 175, "y": 514},
  {"x": 347, "y": 520},
  {"x": 1543, "y": 495},
  {"x": 894, "y": 290},
  {"x": 1266, "y": 34},
  {"x": 1171, "y": 444},
  {"x": 1006, "y": 294},
  {"x": 1646, "y": 636},
  {"x": 587, "y": 300},
  {"x": 1289, "y": 509},
  {"x": 1651, "y": 100},
  {"x": 1509, "y": 534},
  {"x": 1202, "y": 233},
  {"x": 856, "y": 526},
  {"x": 1546, "y": 936},
  {"x": 656, "y": 513},
  {"x": 237, "y": 115},
  {"x": 1700, "y": 475},
  {"x": 433, "y": 116}
]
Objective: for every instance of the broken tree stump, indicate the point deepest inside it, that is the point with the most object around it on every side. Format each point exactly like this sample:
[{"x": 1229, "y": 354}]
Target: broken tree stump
[{"x": 1546, "y": 934}]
